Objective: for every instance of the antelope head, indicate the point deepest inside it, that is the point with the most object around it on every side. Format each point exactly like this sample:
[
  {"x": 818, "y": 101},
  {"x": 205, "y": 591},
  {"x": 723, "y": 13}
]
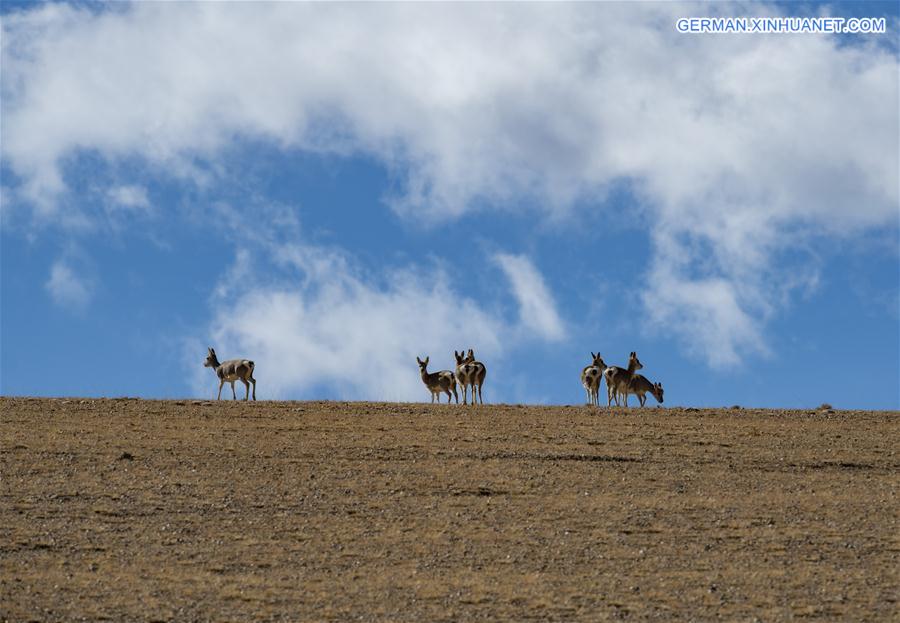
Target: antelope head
[
  {"x": 211, "y": 360},
  {"x": 633, "y": 362}
]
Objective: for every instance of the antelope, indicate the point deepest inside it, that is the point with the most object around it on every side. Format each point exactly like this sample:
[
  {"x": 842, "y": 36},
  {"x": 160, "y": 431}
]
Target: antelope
[
  {"x": 438, "y": 382},
  {"x": 470, "y": 372},
  {"x": 590, "y": 378},
  {"x": 480, "y": 373},
  {"x": 617, "y": 379},
  {"x": 231, "y": 371},
  {"x": 639, "y": 386}
]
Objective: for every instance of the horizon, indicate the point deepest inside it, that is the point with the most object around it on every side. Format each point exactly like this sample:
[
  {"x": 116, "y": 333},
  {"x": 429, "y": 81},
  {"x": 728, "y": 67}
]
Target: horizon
[
  {"x": 823, "y": 409},
  {"x": 334, "y": 190}
]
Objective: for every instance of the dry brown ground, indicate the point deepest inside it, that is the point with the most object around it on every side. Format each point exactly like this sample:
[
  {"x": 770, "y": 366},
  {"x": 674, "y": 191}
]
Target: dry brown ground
[{"x": 135, "y": 510}]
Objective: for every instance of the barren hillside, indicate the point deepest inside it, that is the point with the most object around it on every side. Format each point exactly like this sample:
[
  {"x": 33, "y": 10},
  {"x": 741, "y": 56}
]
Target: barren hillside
[{"x": 187, "y": 510}]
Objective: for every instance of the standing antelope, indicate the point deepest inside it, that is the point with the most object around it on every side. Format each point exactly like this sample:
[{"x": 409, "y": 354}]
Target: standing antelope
[
  {"x": 617, "y": 379},
  {"x": 639, "y": 386},
  {"x": 470, "y": 372},
  {"x": 438, "y": 382},
  {"x": 231, "y": 371},
  {"x": 590, "y": 378},
  {"x": 480, "y": 374}
]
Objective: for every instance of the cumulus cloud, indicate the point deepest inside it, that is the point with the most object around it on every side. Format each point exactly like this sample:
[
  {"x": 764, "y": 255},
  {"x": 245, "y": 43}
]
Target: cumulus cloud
[
  {"x": 67, "y": 288},
  {"x": 327, "y": 324},
  {"x": 732, "y": 144}
]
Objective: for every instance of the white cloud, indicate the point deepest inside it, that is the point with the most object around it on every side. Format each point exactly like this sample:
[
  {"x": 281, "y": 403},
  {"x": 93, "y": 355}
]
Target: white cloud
[
  {"x": 67, "y": 289},
  {"x": 328, "y": 324},
  {"x": 128, "y": 197},
  {"x": 537, "y": 308},
  {"x": 708, "y": 313},
  {"x": 734, "y": 144}
]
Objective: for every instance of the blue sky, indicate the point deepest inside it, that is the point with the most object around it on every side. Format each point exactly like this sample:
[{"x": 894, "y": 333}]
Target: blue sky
[{"x": 333, "y": 190}]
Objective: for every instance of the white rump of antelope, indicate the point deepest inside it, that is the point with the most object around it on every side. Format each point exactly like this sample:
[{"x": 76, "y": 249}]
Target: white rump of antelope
[{"x": 231, "y": 371}]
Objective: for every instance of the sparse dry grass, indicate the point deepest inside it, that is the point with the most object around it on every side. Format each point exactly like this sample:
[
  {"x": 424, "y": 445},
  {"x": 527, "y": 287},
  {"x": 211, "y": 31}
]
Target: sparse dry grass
[{"x": 157, "y": 511}]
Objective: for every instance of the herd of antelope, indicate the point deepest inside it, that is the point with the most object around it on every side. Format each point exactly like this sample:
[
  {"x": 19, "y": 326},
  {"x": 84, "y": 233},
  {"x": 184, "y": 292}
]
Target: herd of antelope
[
  {"x": 469, "y": 372},
  {"x": 619, "y": 381}
]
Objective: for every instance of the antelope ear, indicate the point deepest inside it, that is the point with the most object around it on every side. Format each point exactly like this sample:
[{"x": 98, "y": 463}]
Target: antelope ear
[
  {"x": 211, "y": 351},
  {"x": 593, "y": 356},
  {"x": 418, "y": 360},
  {"x": 426, "y": 361}
]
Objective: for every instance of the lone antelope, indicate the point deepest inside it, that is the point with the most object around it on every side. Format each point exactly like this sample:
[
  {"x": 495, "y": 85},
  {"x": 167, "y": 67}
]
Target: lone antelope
[
  {"x": 438, "y": 382},
  {"x": 470, "y": 372},
  {"x": 617, "y": 379},
  {"x": 639, "y": 386},
  {"x": 590, "y": 378},
  {"x": 231, "y": 371}
]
